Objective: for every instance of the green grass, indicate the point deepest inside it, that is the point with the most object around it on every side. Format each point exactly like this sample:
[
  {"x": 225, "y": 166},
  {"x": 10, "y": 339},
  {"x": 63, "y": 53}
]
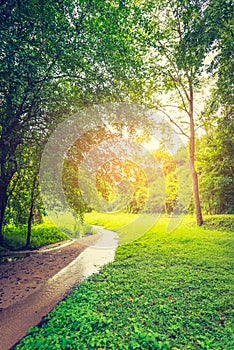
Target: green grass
[
  {"x": 219, "y": 222},
  {"x": 110, "y": 220},
  {"x": 164, "y": 291},
  {"x": 43, "y": 234},
  {"x": 70, "y": 226},
  {"x": 129, "y": 226}
]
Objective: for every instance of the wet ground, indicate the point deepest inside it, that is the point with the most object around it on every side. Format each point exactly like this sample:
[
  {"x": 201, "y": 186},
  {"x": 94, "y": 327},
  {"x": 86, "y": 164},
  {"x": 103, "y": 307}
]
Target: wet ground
[{"x": 32, "y": 286}]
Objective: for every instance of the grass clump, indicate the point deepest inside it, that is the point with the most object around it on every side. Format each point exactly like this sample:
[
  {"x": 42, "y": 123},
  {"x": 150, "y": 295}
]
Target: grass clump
[{"x": 164, "y": 291}]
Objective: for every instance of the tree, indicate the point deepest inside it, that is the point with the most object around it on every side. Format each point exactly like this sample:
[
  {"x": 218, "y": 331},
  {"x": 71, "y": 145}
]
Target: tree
[
  {"x": 171, "y": 177},
  {"x": 174, "y": 69},
  {"x": 114, "y": 176},
  {"x": 216, "y": 165},
  {"x": 113, "y": 171},
  {"x": 24, "y": 204},
  {"x": 212, "y": 34},
  {"x": 55, "y": 53}
]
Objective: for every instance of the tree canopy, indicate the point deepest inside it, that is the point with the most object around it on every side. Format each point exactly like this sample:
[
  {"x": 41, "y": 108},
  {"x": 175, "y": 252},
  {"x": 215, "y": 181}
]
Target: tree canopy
[{"x": 58, "y": 57}]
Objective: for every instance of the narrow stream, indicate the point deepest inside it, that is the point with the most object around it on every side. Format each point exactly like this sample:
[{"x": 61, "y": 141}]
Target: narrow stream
[{"x": 28, "y": 312}]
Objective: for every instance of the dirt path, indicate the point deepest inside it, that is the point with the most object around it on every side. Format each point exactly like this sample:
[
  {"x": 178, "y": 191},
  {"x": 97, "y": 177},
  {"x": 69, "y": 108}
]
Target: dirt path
[
  {"x": 20, "y": 278},
  {"x": 24, "y": 280}
]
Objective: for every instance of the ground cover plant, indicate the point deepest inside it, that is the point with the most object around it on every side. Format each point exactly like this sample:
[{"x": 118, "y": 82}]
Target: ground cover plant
[
  {"x": 219, "y": 222},
  {"x": 164, "y": 291}
]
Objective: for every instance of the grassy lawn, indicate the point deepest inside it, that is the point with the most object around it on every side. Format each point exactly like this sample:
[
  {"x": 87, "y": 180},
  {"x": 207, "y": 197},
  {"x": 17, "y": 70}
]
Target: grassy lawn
[{"x": 164, "y": 291}]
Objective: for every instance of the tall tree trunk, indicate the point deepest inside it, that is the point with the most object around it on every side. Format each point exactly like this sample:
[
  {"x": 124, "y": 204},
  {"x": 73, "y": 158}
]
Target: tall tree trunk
[
  {"x": 196, "y": 198},
  {"x": 1, "y": 224},
  {"x": 29, "y": 230},
  {"x": 3, "y": 204},
  {"x": 31, "y": 212},
  {"x": 7, "y": 170}
]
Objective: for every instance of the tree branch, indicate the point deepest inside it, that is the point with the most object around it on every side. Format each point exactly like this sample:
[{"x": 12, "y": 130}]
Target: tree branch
[{"x": 173, "y": 121}]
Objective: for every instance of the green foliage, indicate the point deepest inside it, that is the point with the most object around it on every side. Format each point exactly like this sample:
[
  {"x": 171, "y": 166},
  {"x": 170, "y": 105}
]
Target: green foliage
[
  {"x": 79, "y": 53},
  {"x": 164, "y": 291},
  {"x": 154, "y": 192},
  {"x": 220, "y": 223},
  {"x": 115, "y": 171},
  {"x": 57, "y": 57},
  {"x": 23, "y": 191},
  {"x": 216, "y": 166},
  {"x": 42, "y": 234},
  {"x": 212, "y": 34}
]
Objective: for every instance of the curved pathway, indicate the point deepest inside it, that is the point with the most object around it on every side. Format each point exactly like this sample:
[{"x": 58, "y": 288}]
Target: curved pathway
[{"x": 19, "y": 317}]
